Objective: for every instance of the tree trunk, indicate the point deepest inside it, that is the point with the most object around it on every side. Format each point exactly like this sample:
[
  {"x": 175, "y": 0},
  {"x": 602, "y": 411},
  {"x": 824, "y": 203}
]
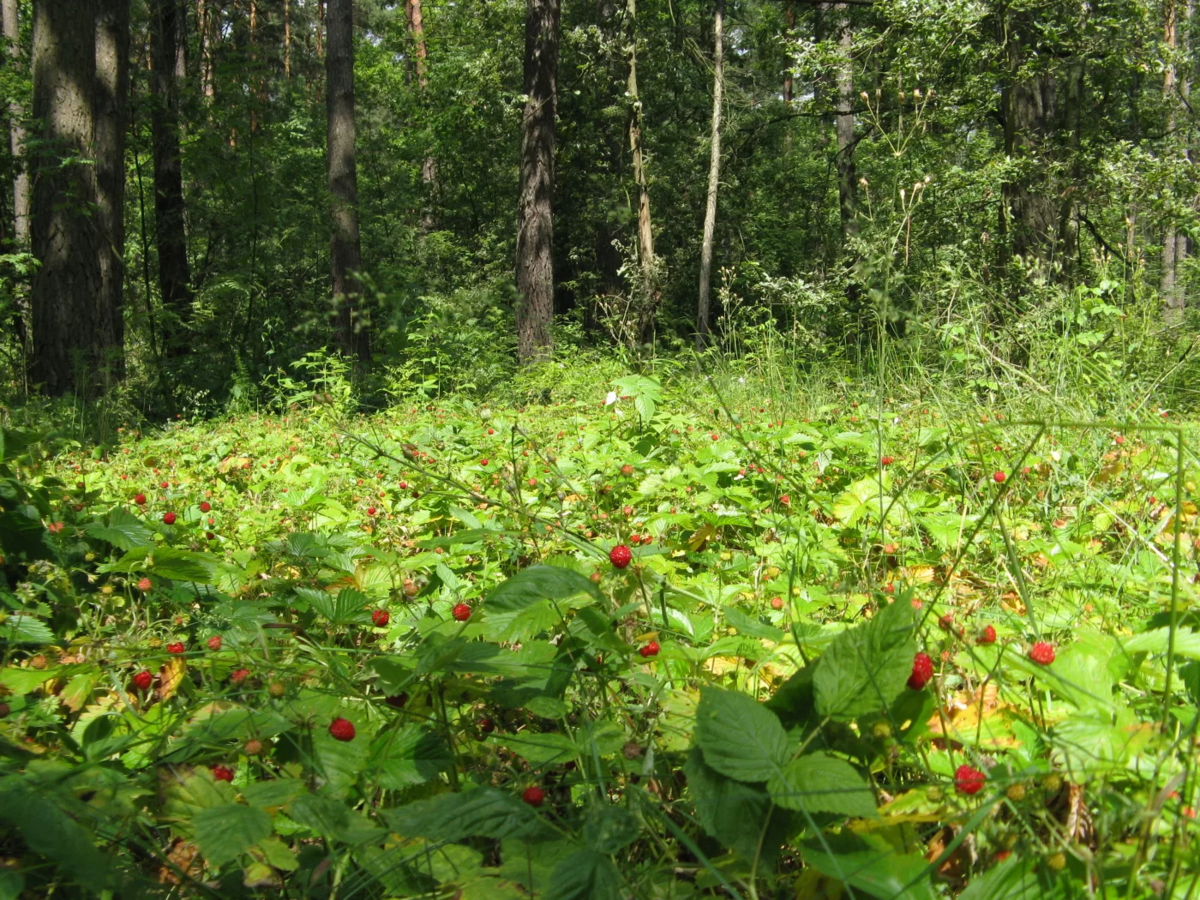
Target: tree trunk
[
  {"x": 66, "y": 352},
  {"x": 789, "y": 21},
  {"x": 287, "y": 39},
  {"x": 1176, "y": 90},
  {"x": 204, "y": 19},
  {"x": 345, "y": 251},
  {"x": 320, "y": 28},
  {"x": 16, "y": 131},
  {"x": 416, "y": 28},
  {"x": 714, "y": 177},
  {"x": 844, "y": 129},
  {"x": 109, "y": 130},
  {"x": 648, "y": 289},
  {"x": 174, "y": 274},
  {"x": 535, "y": 217}
]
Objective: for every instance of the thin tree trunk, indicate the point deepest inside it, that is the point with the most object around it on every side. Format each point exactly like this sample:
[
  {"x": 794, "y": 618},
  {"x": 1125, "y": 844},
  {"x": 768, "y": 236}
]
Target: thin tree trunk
[
  {"x": 1176, "y": 89},
  {"x": 844, "y": 130},
  {"x": 16, "y": 131},
  {"x": 174, "y": 273},
  {"x": 416, "y": 28},
  {"x": 205, "y": 30},
  {"x": 648, "y": 288},
  {"x": 345, "y": 250},
  {"x": 535, "y": 216},
  {"x": 714, "y": 177},
  {"x": 66, "y": 355},
  {"x": 789, "y": 20},
  {"x": 320, "y": 28},
  {"x": 287, "y": 39},
  {"x": 109, "y": 131}
]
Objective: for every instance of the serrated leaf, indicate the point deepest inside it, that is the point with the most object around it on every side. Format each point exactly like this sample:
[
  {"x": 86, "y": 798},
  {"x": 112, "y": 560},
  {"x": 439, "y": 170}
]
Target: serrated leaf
[
  {"x": 225, "y": 832},
  {"x": 735, "y": 813},
  {"x": 866, "y": 667},
  {"x": 413, "y": 755},
  {"x": 540, "y": 749},
  {"x": 871, "y": 865},
  {"x": 23, "y": 628},
  {"x": 538, "y": 583},
  {"x": 585, "y": 875},
  {"x": 123, "y": 530},
  {"x": 822, "y": 783},
  {"x": 740, "y": 737},
  {"x": 482, "y": 812}
]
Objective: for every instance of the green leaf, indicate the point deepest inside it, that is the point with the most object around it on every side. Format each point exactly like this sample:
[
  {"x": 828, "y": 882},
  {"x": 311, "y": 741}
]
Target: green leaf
[
  {"x": 482, "y": 812},
  {"x": 540, "y": 750},
  {"x": 11, "y": 882},
  {"x": 871, "y": 865},
  {"x": 225, "y": 832},
  {"x": 1014, "y": 879},
  {"x": 585, "y": 875},
  {"x": 538, "y": 583},
  {"x": 733, "y": 813},
  {"x": 740, "y": 737},
  {"x": 22, "y": 628},
  {"x": 608, "y": 829},
  {"x": 332, "y": 819},
  {"x": 413, "y": 755},
  {"x": 866, "y": 668},
  {"x": 822, "y": 783},
  {"x": 183, "y": 565},
  {"x": 123, "y": 530},
  {"x": 50, "y": 831}
]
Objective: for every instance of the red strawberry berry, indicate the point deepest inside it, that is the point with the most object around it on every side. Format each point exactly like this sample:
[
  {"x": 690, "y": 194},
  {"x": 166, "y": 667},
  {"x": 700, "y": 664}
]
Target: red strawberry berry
[
  {"x": 776, "y": 603},
  {"x": 164, "y": 485},
  {"x": 483, "y": 462},
  {"x": 214, "y": 642},
  {"x": 715, "y": 436},
  {"x": 922, "y": 671},
  {"x": 237, "y": 676},
  {"x": 209, "y": 536},
  {"x": 988, "y": 636},
  {"x": 620, "y": 556},
  {"x": 487, "y": 726},
  {"x": 461, "y": 612},
  {"x": 649, "y": 650},
  {"x": 889, "y": 588},
  {"x": 371, "y": 511},
  {"x": 176, "y": 648},
  {"x": 1042, "y": 653},
  {"x": 380, "y": 618},
  {"x": 143, "y": 679},
  {"x": 886, "y": 460},
  {"x": 222, "y": 773},
  {"x": 396, "y": 701},
  {"x": 140, "y": 499},
  {"x": 999, "y": 477},
  {"x": 627, "y": 469},
  {"x": 205, "y": 506},
  {"x": 169, "y": 518},
  {"x": 342, "y": 729},
  {"x": 946, "y": 621},
  {"x": 969, "y": 780},
  {"x": 144, "y": 584},
  {"x": 786, "y": 500},
  {"x": 534, "y": 795}
]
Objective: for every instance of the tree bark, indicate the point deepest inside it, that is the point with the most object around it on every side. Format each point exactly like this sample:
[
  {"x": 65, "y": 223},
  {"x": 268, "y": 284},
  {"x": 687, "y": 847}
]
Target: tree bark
[
  {"x": 204, "y": 18},
  {"x": 844, "y": 130},
  {"x": 648, "y": 289},
  {"x": 345, "y": 250},
  {"x": 416, "y": 28},
  {"x": 16, "y": 130},
  {"x": 109, "y": 131},
  {"x": 714, "y": 178},
  {"x": 67, "y": 348},
  {"x": 1176, "y": 90},
  {"x": 535, "y": 218},
  {"x": 174, "y": 272},
  {"x": 789, "y": 22}
]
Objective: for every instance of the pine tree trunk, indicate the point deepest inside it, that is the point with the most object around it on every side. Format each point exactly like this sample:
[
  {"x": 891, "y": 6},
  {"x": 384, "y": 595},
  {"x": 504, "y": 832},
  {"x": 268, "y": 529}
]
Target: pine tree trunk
[
  {"x": 416, "y": 28},
  {"x": 535, "y": 217},
  {"x": 16, "y": 130},
  {"x": 174, "y": 272},
  {"x": 714, "y": 178},
  {"x": 345, "y": 251},
  {"x": 1176, "y": 90},
  {"x": 66, "y": 355},
  {"x": 109, "y": 130},
  {"x": 648, "y": 289},
  {"x": 204, "y": 19},
  {"x": 789, "y": 21},
  {"x": 844, "y": 130}
]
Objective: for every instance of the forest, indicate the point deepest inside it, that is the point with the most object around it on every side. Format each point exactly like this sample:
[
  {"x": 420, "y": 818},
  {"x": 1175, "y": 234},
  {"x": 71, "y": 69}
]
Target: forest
[{"x": 569, "y": 449}]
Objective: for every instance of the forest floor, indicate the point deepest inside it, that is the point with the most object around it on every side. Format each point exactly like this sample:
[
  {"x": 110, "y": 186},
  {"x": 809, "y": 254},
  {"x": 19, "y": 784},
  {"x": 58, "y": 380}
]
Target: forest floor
[{"x": 885, "y": 648}]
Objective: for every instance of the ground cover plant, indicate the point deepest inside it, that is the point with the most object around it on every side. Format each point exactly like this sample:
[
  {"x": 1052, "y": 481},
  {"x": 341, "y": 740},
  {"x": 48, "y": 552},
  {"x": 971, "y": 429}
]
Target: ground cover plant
[{"x": 633, "y": 644}]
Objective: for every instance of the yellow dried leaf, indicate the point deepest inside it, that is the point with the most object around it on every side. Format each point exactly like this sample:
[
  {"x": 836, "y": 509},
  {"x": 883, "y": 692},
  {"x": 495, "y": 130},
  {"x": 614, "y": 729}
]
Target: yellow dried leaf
[{"x": 171, "y": 675}]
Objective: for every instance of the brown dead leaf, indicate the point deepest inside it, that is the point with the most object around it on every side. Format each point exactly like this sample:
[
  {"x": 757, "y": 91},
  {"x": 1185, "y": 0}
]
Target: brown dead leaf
[
  {"x": 184, "y": 859},
  {"x": 170, "y": 677}
]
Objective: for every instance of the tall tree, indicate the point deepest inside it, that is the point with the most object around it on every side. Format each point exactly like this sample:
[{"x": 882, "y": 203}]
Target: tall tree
[
  {"x": 416, "y": 30},
  {"x": 16, "y": 130},
  {"x": 174, "y": 272},
  {"x": 648, "y": 288},
  {"x": 844, "y": 128},
  {"x": 1177, "y": 91},
  {"x": 714, "y": 177},
  {"x": 109, "y": 130},
  {"x": 345, "y": 249},
  {"x": 535, "y": 216},
  {"x": 68, "y": 348}
]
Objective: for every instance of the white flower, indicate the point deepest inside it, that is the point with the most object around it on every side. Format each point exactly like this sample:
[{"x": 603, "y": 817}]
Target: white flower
[{"x": 611, "y": 398}]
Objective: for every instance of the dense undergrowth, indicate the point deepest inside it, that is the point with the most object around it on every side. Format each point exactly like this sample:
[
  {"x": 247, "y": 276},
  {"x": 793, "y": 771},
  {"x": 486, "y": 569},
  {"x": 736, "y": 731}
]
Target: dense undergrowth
[{"x": 878, "y": 650}]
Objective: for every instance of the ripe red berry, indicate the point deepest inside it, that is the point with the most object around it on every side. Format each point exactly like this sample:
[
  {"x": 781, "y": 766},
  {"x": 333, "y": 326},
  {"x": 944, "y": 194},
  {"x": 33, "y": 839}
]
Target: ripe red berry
[
  {"x": 715, "y": 436},
  {"x": 144, "y": 584},
  {"x": 140, "y": 499},
  {"x": 534, "y": 795},
  {"x": 237, "y": 676},
  {"x": 946, "y": 621},
  {"x": 786, "y": 500},
  {"x": 999, "y": 477},
  {"x": 487, "y": 726},
  {"x": 342, "y": 729},
  {"x": 889, "y": 588},
  {"x": 627, "y": 469},
  {"x": 214, "y": 642},
  {"x": 370, "y": 511},
  {"x": 649, "y": 650},
  {"x": 886, "y": 460},
  {"x": 175, "y": 648},
  {"x": 209, "y": 536},
  {"x": 988, "y": 636},
  {"x": 461, "y": 612},
  {"x": 969, "y": 780},
  {"x": 143, "y": 679},
  {"x": 922, "y": 671},
  {"x": 205, "y": 506},
  {"x": 1042, "y": 653},
  {"x": 222, "y": 773},
  {"x": 483, "y": 462},
  {"x": 164, "y": 485},
  {"x": 396, "y": 701},
  {"x": 620, "y": 556},
  {"x": 776, "y": 603},
  {"x": 380, "y": 618},
  {"x": 169, "y": 518}
]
